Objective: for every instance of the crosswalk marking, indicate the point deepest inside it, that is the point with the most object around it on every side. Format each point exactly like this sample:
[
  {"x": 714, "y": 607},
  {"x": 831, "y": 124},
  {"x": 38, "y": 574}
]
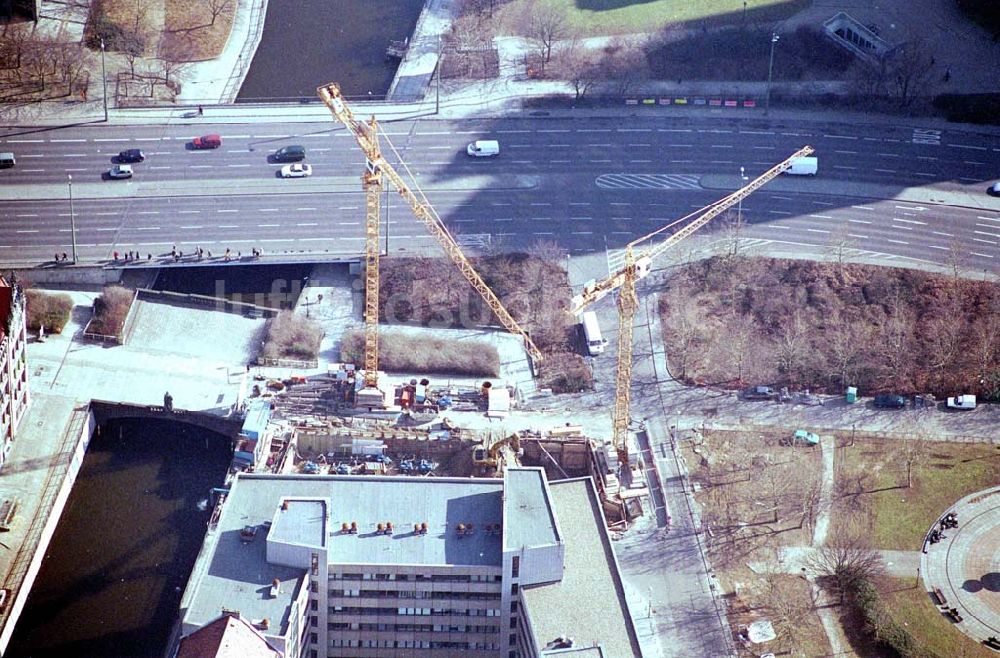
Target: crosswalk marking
[{"x": 648, "y": 181}]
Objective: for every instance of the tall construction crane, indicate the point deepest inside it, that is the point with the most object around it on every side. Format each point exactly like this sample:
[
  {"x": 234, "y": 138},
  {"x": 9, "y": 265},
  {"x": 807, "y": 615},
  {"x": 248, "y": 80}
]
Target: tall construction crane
[
  {"x": 366, "y": 134},
  {"x": 636, "y": 267}
]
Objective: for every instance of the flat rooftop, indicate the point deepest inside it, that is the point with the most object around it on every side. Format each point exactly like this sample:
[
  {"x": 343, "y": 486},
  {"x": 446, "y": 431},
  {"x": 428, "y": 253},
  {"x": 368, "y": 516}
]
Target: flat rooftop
[
  {"x": 233, "y": 574},
  {"x": 528, "y": 519},
  {"x": 588, "y": 604}
]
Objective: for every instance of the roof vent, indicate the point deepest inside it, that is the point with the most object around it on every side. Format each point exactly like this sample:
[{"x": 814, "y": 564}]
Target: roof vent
[
  {"x": 423, "y": 528},
  {"x": 344, "y": 528},
  {"x": 460, "y": 529},
  {"x": 275, "y": 588},
  {"x": 262, "y": 624},
  {"x": 284, "y": 505},
  {"x": 380, "y": 528},
  {"x": 388, "y": 527},
  {"x": 354, "y": 527}
]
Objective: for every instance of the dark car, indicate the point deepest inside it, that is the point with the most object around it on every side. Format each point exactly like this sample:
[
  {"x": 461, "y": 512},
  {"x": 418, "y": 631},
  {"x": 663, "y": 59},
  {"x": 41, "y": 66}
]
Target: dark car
[
  {"x": 890, "y": 401},
  {"x": 290, "y": 154},
  {"x": 131, "y": 155},
  {"x": 994, "y": 189},
  {"x": 758, "y": 393}
]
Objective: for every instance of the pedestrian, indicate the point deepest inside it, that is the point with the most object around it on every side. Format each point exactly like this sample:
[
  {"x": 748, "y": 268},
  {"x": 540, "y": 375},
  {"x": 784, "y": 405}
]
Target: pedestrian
[
  {"x": 173, "y": 251},
  {"x": 933, "y": 61},
  {"x": 239, "y": 255},
  {"x": 200, "y": 111},
  {"x": 176, "y": 257},
  {"x": 947, "y": 75},
  {"x": 210, "y": 254},
  {"x": 149, "y": 256},
  {"x": 57, "y": 256},
  {"x": 115, "y": 253},
  {"x": 65, "y": 256}
]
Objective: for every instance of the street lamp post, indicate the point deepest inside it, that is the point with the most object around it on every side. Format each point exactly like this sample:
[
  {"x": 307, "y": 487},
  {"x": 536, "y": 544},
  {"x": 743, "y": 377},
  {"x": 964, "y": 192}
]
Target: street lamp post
[
  {"x": 72, "y": 216},
  {"x": 739, "y": 212},
  {"x": 387, "y": 221},
  {"x": 770, "y": 69},
  {"x": 104, "y": 82},
  {"x": 437, "y": 87}
]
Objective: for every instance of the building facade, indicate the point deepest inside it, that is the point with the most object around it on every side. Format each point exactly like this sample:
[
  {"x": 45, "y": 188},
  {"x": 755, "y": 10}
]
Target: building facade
[
  {"x": 14, "y": 394},
  {"x": 385, "y": 567}
]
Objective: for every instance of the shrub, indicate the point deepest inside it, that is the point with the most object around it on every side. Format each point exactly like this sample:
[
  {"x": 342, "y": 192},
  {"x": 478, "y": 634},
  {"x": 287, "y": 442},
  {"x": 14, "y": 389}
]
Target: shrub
[
  {"x": 880, "y": 625},
  {"x": 291, "y": 336},
  {"x": 422, "y": 354},
  {"x": 969, "y": 108},
  {"x": 566, "y": 372},
  {"x": 110, "y": 311},
  {"x": 49, "y": 310}
]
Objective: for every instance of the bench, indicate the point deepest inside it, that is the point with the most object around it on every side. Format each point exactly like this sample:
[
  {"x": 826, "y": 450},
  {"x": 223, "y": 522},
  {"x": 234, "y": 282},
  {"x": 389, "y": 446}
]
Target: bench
[
  {"x": 939, "y": 595},
  {"x": 954, "y": 614},
  {"x": 992, "y": 642}
]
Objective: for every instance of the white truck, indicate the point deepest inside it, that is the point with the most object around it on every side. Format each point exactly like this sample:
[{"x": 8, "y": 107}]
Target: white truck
[
  {"x": 803, "y": 166},
  {"x": 966, "y": 402},
  {"x": 592, "y": 333}
]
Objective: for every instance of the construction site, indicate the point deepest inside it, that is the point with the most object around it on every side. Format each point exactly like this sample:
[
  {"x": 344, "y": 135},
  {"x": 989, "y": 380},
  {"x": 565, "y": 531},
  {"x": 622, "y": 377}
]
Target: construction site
[{"x": 357, "y": 420}]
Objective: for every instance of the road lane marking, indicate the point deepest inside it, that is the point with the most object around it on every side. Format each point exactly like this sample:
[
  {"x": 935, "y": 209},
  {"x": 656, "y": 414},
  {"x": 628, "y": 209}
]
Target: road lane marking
[
  {"x": 847, "y": 152},
  {"x": 268, "y": 225},
  {"x": 840, "y": 137},
  {"x": 885, "y": 171},
  {"x": 191, "y": 228},
  {"x": 267, "y": 210},
  {"x": 188, "y": 212},
  {"x": 66, "y": 141},
  {"x": 25, "y": 141},
  {"x": 816, "y": 230},
  {"x": 896, "y": 241},
  {"x": 986, "y": 241},
  {"x": 947, "y": 235},
  {"x": 75, "y": 155},
  {"x": 889, "y": 155},
  {"x": 855, "y": 235},
  {"x": 922, "y": 173},
  {"x": 305, "y": 208},
  {"x": 307, "y": 224},
  {"x": 976, "y": 253},
  {"x": 968, "y": 146},
  {"x": 909, "y": 221},
  {"x": 843, "y": 167},
  {"x": 821, "y": 216},
  {"x": 992, "y": 235},
  {"x": 859, "y": 221},
  {"x": 934, "y": 246},
  {"x": 779, "y": 212},
  {"x": 227, "y": 210},
  {"x": 989, "y": 219},
  {"x": 27, "y": 231}
]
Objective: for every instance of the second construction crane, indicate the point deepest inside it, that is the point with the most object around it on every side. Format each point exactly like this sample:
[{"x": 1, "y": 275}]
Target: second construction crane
[
  {"x": 636, "y": 266},
  {"x": 366, "y": 134}
]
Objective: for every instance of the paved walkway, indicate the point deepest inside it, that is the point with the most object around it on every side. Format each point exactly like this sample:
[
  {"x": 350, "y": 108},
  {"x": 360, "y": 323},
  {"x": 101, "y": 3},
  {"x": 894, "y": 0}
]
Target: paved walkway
[{"x": 965, "y": 566}]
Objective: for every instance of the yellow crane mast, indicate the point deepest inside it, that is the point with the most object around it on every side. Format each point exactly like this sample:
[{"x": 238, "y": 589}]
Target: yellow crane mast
[
  {"x": 637, "y": 267},
  {"x": 366, "y": 135}
]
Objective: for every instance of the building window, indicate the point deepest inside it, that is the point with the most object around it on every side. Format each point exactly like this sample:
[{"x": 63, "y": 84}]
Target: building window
[
  {"x": 515, "y": 566},
  {"x": 513, "y": 588},
  {"x": 513, "y": 607},
  {"x": 313, "y": 638},
  {"x": 314, "y": 587},
  {"x": 314, "y": 605}
]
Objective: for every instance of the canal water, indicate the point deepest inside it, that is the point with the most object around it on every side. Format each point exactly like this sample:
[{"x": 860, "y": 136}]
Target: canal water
[
  {"x": 112, "y": 579},
  {"x": 308, "y": 43}
]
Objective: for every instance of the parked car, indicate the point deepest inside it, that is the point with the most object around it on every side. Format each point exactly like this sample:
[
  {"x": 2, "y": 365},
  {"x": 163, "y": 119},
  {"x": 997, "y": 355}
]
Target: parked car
[
  {"x": 801, "y": 437},
  {"x": 120, "y": 171},
  {"x": 758, "y": 393},
  {"x": 131, "y": 155},
  {"x": 994, "y": 189},
  {"x": 206, "y": 142},
  {"x": 296, "y": 171},
  {"x": 965, "y": 402},
  {"x": 890, "y": 401}
]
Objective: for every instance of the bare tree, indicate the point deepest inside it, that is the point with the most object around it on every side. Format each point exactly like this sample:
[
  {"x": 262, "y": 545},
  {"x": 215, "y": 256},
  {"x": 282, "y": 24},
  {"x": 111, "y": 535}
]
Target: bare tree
[
  {"x": 895, "y": 341},
  {"x": 579, "y": 66},
  {"x": 546, "y": 24},
  {"x": 909, "y": 72},
  {"x": 740, "y": 339},
  {"x": 684, "y": 333},
  {"x": 792, "y": 343},
  {"x": 849, "y": 560},
  {"x": 624, "y": 65},
  {"x": 216, "y": 8},
  {"x": 912, "y": 452}
]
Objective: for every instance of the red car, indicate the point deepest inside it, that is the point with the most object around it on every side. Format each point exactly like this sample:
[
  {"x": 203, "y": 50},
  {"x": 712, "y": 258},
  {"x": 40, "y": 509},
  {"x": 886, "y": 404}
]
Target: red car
[{"x": 207, "y": 142}]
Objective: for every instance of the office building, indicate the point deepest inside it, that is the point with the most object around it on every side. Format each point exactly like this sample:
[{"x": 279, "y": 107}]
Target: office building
[
  {"x": 368, "y": 566},
  {"x": 14, "y": 395}
]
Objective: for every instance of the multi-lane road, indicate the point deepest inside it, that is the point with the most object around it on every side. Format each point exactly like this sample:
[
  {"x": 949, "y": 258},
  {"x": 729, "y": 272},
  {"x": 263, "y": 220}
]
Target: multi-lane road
[{"x": 588, "y": 184}]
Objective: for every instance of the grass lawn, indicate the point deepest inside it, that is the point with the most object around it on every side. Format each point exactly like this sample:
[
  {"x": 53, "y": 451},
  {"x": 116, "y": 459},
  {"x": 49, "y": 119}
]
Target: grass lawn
[
  {"x": 189, "y": 34},
  {"x": 901, "y": 516},
  {"x": 911, "y": 605},
  {"x": 605, "y": 17}
]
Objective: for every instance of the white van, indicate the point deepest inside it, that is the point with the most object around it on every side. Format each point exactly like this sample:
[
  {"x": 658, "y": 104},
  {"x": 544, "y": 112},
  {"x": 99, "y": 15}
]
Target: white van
[
  {"x": 592, "y": 333},
  {"x": 483, "y": 148},
  {"x": 7, "y": 160},
  {"x": 804, "y": 166}
]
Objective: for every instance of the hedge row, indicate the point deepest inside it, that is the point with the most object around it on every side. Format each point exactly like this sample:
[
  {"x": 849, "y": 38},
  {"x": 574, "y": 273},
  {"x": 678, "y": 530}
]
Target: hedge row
[
  {"x": 398, "y": 352},
  {"x": 51, "y": 311},
  {"x": 882, "y": 627}
]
